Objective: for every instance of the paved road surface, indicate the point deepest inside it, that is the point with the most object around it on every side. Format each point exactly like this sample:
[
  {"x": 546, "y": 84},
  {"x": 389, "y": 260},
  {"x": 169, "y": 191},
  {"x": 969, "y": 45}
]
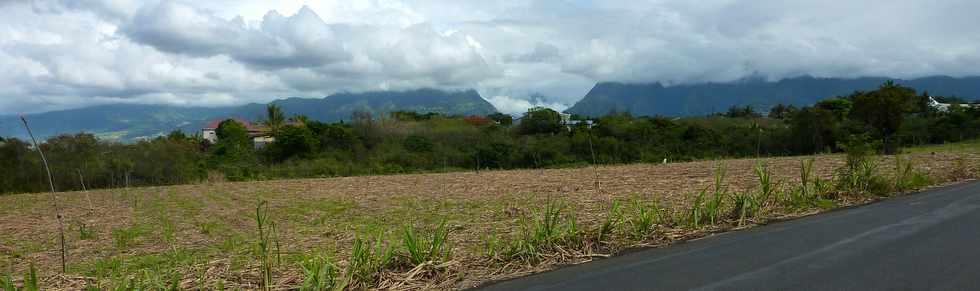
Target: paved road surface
[{"x": 927, "y": 241}]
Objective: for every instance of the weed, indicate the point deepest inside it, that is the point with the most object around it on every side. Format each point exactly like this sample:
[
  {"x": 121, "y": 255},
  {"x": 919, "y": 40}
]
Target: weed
[
  {"x": 85, "y": 232},
  {"x": 745, "y": 206},
  {"x": 424, "y": 247},
  {"x": 714, "y": 206},
  {"x": 491, "y": 246},
  {"x": 266, "y": 242},
  {"x": 906, "y": 177},
  {"x": 613, "y": 219},
  {"x": 30, "y": 281},
  {"x": 696, "y": 213},
  {"x": 766, "y": 185},
  {"x": 538, "y": 236},
  {"x": 642, "y": 217},
  {"x": 320, "y": 274},
  {"x": 367, "y": 260},
  {"x": 126, "y": 237}
]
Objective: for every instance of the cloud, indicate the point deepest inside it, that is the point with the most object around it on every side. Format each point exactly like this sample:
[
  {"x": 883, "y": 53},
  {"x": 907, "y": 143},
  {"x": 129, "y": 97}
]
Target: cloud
[
  {"x": 511, "y": 105},
  {"x": 62, "y": 54}
]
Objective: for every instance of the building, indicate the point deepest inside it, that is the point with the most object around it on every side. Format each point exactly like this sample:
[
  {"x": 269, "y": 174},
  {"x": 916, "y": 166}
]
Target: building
[
  {"x": 260, "y": 134},
  {"x": 944, "y": 107}
]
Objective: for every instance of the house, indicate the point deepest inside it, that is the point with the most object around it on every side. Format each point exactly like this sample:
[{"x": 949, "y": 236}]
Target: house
[
  {"x": 568, "y": 122},
  {"x": 944, "y": 107},
  {"x": 260, "y": 134}
]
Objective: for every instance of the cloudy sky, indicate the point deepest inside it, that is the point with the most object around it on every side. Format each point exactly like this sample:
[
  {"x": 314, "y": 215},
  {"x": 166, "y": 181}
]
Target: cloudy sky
[{"x": 74, "y": 53}]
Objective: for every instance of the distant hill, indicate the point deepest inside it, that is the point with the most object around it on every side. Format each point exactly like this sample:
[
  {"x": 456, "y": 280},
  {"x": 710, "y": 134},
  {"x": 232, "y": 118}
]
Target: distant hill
[
  {"x": 132, "y": 122},
  {"x": 124, "y": 122},
  {"x": 701, "y": 99},
  {"x": 341, "y": 106}
]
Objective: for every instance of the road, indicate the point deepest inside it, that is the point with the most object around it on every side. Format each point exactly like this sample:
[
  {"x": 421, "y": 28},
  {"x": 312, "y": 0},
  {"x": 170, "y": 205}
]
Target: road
[{"x": 926, "y": 241}]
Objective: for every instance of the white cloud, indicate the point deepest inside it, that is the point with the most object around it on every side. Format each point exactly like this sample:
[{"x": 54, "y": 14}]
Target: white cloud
[{"x": 59, "y": 54}]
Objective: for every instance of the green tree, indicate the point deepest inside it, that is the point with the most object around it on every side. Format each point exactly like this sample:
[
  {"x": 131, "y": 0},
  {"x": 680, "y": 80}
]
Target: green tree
[
  {"x": 540, "y": 120},
  {"x": 293, "y": 141},
  {"x": 814, "y": 129},
  {"x": 274, "y": 118},
  {"x": 884, "y": 110},
  {"x": 840, "y": 107},
  {"x": 233, "y": 141},
  {"x": 781, "y": 111}
]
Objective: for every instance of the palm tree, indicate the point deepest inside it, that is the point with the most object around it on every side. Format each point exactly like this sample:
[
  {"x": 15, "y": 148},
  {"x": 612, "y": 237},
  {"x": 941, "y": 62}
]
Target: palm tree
[
  {"x": 274, "y": 118},
  {"x": 301, "y": 119}
]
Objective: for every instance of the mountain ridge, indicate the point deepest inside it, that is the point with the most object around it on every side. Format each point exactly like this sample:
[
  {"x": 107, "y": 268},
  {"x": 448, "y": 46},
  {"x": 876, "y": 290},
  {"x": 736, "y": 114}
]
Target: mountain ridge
[
  {"x": 130, "y": 122},
  {"x": 649, "y": 99}
]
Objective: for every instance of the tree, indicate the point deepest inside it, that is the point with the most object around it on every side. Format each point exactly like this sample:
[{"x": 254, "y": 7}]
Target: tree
[
  {"x": 742, "y": 112},
  {"x": 233, "y": 141},
  {"x": 301, "y": 119},
  {"x": 781, "y": 111},
  {"x": 813, "y": 129},
  {"x": 540, "y": 120},
  {"x": 293, "y": 141},
  {"x": 884, "y": 110},
  {"x": 274, "y": 118},
  {"x": 502, "y": 119},
  {"x": 840, "y": 107},
  {"x": 418, "y": 144}
]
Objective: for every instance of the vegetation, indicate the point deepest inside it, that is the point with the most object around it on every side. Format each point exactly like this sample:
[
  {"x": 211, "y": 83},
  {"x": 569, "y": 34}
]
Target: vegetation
[{"x": 402, "y": 142}]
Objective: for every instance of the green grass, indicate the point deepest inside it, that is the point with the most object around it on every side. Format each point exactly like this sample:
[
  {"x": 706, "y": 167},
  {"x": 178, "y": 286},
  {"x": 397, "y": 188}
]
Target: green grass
[
  {"x": 31, "y": 282},
  {"x": 611, "y": 222},
  {"x": 969, "y": 146},
  {"x": 642, "y": 217},
  {"x": 425, "y": 247},
  {"x": 268, "y": 242},
  {"x": 126, "y": 237},
  {"x": 367, "y": 261},
  {"x": 319, "y": 274},
  {"x": 542, "y": 233}
]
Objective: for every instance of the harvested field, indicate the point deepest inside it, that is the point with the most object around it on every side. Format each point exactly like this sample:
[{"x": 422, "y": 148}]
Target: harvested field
[{"x": 206, "y": 233}]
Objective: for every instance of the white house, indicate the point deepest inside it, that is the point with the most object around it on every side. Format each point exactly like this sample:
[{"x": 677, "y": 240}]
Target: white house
[
  {"x": 259, "y": 134},
  {"x": 944, "y": 107}
]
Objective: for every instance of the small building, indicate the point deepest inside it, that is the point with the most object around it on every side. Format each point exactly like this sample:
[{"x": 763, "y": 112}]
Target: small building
[
  {"x": 260, "y": 134},
  {"x": 944, "y": 107}
]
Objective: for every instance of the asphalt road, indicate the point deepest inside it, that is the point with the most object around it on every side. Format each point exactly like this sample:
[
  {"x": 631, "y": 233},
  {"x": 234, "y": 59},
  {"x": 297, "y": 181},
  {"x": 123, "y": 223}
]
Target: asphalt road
[{"x": 926, "y": 241}]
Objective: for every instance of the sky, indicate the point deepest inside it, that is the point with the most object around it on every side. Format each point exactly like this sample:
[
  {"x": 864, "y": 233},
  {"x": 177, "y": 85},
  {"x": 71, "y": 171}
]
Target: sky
[{"x": 516, "y": 53}]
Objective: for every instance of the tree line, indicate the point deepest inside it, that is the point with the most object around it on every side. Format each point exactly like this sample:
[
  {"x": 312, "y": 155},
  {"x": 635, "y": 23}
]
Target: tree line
[{"x": 886, "y": 119}]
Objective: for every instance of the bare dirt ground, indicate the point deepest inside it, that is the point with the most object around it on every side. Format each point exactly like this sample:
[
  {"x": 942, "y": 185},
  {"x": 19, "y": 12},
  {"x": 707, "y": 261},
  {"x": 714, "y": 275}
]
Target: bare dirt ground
[{"x": 206, "y": 232}]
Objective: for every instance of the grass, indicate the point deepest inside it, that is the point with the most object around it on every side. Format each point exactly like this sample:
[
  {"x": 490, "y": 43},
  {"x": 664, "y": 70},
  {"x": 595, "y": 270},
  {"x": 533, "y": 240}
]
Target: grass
[
  {"x": 267, "y": 243},
  {"x": 319, "y": 274},
  {"x": 367, "y": 261},
  {"x": 612, "y": 221},
  {"x": 31, "y": 282},
  {"x": 969, "y": 146},
  {"x": 542, "y": 233},
  {"x": 642, "y": 217},
  {"x": 128, "y": 236},
  {"x": 426, "y": 248},
  {"x": 85, "y": 232}
]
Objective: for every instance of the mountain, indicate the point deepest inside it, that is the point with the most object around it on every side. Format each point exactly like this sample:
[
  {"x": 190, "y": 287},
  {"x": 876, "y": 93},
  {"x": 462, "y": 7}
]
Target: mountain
[
  {"x": 132, "y": 122},
  {"x": 341, "y": 106},
  {"x": 125, "y": 122},
  {"x": 700, "y": 99}
]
